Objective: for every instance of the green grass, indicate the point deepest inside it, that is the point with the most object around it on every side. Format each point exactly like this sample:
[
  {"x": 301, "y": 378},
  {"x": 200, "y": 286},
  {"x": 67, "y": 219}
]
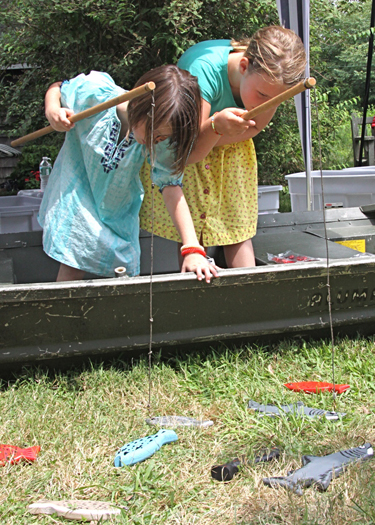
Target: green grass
[{"x": 82, "y": 416}]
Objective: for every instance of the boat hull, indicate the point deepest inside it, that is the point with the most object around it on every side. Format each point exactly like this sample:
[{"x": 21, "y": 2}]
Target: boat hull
[
  {"x": 48, "y": 320},
  {"x": 44, "y": 321}
]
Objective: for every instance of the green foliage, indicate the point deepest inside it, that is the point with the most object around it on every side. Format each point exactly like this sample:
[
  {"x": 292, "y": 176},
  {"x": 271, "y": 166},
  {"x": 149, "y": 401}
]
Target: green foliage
[
  {"x": 278, "y": 147},
  {"x": 340, "y": 34},
  {"x": 236, "y": 19},
  {"x": 60, "y": 38},
  {"x": 24, "y": 174},
  {"x": 125, "y": 38},
  {"x": 331, "y": 129},
  {"x": 285, "y": 204}
]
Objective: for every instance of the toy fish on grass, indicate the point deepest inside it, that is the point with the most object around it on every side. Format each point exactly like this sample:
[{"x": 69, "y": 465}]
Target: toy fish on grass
[
  {"x": 76, "y": 509},
  {"x": 227, "y": 471},
  {"x": 11, "y": 454},
  {"x": 319, "y": 471},
  {"x": 143, "y": 448},
  {"x": 178, "y": 421},
  {"x": 297, "y": 409},
  {"x": 313, "y": 387}
]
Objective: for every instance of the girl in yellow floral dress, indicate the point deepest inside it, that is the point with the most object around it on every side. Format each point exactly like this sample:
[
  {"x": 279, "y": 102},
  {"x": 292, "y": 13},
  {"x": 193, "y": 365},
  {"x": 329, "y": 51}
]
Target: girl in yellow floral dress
[{"x": 220, "y": 182}]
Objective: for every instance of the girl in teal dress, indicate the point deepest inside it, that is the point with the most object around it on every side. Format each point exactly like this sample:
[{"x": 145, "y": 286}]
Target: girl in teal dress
[{"x": 89, "y": 212}]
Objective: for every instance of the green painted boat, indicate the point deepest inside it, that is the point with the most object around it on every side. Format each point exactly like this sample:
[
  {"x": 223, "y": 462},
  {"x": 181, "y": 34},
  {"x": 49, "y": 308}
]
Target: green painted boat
[{"x": 43, "y": 320}]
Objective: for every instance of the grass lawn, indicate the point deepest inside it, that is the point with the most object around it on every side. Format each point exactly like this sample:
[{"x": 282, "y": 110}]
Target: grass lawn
[{"x": 82, "y": 416}]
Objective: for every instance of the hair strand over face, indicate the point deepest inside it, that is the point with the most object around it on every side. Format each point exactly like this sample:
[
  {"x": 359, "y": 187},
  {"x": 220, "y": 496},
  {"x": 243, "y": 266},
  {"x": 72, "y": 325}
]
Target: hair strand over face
[{"x": 177, "y": 104}]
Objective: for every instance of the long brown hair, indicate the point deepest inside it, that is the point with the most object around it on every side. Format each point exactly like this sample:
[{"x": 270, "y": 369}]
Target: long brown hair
[
  {"x": 177, "y": 103},
  {"x": 277, "y": 51}
]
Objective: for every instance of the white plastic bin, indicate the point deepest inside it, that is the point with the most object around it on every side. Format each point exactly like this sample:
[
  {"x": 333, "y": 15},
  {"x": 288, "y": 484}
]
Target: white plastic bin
[
  {"x": 360, "y": 169},
  {"x": 347, "y": 188},
  {"x": 37, "y": 193},
  {"x": 18, "y": 213},
  {"x": 268, "y": 199}
]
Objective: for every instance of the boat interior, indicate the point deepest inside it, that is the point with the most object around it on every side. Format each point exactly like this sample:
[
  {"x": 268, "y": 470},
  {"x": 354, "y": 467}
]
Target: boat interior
[{"x": 350, "y": 234}]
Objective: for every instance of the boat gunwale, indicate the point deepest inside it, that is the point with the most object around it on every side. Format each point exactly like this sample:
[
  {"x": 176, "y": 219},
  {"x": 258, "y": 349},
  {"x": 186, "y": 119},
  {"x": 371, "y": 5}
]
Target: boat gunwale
[{"x": 141, "y": 284}]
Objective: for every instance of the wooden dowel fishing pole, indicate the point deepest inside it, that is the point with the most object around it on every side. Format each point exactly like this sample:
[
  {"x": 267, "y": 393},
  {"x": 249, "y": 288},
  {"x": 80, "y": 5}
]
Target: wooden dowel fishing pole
[
  {"x": 129, "y": 95},
  {"x": 275, "y": 101}
]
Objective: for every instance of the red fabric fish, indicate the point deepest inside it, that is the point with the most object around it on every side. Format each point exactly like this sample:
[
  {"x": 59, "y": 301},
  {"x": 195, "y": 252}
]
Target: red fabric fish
[
  {"x": 312, "y": 387},
  {"x": 11, "y": 454}
]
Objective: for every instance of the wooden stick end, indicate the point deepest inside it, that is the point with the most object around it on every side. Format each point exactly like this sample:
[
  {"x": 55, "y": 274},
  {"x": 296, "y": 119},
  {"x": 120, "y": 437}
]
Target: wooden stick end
[
  {"x": 310, "y": 82},
  {"x": 150, "y": 86}
]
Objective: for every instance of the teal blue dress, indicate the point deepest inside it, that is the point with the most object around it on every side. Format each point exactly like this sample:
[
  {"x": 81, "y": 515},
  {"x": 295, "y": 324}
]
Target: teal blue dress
[{"x": 89, "y": 212}]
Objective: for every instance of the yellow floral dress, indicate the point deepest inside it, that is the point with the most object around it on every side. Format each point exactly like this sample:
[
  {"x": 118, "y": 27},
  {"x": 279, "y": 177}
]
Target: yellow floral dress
[{"x": 222, "y": 194}]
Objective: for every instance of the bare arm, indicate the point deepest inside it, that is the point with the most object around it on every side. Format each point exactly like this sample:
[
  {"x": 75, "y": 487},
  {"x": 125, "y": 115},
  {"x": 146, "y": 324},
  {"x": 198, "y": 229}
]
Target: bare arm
[
  {"x": 56, "y": 115},
  {"x": 178, "y": 209},
  {"x": 230, "y": 124}
]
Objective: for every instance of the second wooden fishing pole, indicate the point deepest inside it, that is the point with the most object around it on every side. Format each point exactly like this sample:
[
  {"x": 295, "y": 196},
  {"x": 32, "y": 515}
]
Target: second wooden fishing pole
[{"x": 275, "y": 101}]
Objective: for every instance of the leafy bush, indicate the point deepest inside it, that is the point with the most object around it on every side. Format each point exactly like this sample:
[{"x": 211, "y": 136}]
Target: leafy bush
[
  {"x": 278, "y": 146},
  {"x": 25, "y": 174},
  {"x": 125, "y": 38},
  {"x": 335, "y": 134},
  {"x": 60, "y": 39}
]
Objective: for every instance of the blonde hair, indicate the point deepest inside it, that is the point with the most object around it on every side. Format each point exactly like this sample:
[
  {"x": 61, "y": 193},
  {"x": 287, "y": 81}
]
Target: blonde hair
[{"x": 276, "y": 51}]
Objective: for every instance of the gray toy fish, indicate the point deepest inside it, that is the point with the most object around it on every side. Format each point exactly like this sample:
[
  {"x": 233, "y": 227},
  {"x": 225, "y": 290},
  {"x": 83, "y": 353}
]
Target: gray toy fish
[
  {"x": 178, "y": 421},
  {"x": 319, "y": 471},
  {"x": 298, "y": 409}
]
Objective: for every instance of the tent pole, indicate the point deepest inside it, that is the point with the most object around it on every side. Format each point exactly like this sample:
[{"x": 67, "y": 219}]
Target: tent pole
[{"x": 367, "y": 86}]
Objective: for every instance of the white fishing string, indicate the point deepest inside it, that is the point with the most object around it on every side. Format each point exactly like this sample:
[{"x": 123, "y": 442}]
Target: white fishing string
[
  {"x": 151, "y": 248},
  {"x": 329, "y": 298}
]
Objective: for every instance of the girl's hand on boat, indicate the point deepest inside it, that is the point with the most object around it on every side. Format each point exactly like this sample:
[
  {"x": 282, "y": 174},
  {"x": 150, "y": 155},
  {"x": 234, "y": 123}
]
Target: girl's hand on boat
[
  {"x": 229, "y": 122},
  {"x": 201, "y": 266},
  {"x": 58, "y": 118}
]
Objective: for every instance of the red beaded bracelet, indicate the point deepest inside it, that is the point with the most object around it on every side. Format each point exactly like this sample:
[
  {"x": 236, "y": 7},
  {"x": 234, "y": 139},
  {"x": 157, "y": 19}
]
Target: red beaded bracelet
[{"x": 187, "y": 251}]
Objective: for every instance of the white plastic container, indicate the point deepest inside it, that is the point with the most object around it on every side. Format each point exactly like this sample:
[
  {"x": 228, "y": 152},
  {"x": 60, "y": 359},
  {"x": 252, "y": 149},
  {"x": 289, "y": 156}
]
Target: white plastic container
[
  {"x": 19, "y": 213},
  {"x": 38, "y": 194},
  {"x": 360, "y": 169},
  {"x": 268, "y": 199},
  {"x": 347, "y": 188}
]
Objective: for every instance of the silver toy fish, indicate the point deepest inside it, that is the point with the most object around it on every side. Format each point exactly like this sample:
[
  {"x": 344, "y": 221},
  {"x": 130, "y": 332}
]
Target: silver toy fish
[
  {"x": 297, "y": 409},
  {"x": 178, "y": 421}
]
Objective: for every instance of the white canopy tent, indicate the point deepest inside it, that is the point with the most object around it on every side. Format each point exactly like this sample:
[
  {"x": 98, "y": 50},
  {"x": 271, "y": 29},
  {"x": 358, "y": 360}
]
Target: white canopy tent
[{"x": 295, "y": 15}]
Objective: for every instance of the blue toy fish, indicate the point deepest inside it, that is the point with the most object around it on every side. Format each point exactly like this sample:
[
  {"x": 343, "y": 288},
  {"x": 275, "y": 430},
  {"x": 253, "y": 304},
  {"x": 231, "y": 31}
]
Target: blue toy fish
[
  {"x": 319, "y": 471},
  {"x": 143, "y": 448}
]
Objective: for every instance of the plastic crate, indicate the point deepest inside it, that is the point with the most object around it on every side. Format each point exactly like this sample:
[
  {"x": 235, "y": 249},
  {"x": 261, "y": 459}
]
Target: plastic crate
[
  {"x": 19, "y": 213},
  {"x": 37, "y": 193},
  {"x": 268, "y": 199},
  {"x": 347, "y": 188}
]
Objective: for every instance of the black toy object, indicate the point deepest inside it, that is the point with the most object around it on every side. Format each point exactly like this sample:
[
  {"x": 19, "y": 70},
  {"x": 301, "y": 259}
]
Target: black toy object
[
  {"x": 298, "y": 409},
  {"x": 227, "y": 471},
  {"x": 318, "y": 471}
]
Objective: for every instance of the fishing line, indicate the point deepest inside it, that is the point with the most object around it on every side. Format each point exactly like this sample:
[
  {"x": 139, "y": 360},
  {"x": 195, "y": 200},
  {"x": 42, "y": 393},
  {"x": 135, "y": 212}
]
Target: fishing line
[
  {"x": 327, "y": 254},
  {"x": 152, "y": 247}
]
